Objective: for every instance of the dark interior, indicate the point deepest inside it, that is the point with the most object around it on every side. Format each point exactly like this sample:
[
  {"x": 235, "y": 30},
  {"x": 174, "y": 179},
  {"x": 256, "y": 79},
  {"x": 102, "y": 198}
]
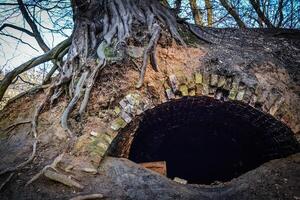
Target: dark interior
[{"x": 204, "y": 140}]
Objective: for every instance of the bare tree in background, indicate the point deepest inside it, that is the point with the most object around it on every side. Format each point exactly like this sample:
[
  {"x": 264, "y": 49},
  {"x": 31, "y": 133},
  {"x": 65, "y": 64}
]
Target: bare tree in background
[
  {"x": 230, "y": 9},
  {"x": 209, "y": 9},
  {"x": 197, "y": 15}
]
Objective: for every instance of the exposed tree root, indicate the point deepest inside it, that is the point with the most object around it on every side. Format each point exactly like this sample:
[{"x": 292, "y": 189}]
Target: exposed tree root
[
  {"x": 6, "y": 181},
  {"x": 100, "y": 25},
  {"x": 197, "y": 34},
  {"x": 150, "y": 51},
  {"x": 12, "y": 126},
  {"x": 66, "y": 180},
  {"x": 89, "y": 196},
  {"x": 52, "y": 166},
  {"x": 34, "y": 133},
  {"x": 114, "y": 23}
]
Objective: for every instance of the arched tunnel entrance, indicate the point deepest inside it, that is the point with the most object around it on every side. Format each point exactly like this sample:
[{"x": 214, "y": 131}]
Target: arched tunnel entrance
[{"x": 204, "y": 140}]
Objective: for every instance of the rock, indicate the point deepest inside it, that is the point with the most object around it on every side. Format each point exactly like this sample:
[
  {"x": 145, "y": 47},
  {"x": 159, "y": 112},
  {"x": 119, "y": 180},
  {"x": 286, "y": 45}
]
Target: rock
[
  {"x": 234, "y": 89},
  {"x": 228, "y": 82},
  {"x": 93, "y": 133},
  {"x": 132, "y": 99},
  {"x": 170, "y": 94},
  {"x": 126, "y": 117},
  {"x": 206, "y": 78},
  {"x": 174, "y": 83},
  {"x": 123, "y": 103},
  {"x": 118, "y": 124},
  {"x": 198, "y": 78},
  {"x": 205, "y": 89},
  {"x": 179, "y": 180},
  {"x": 240, "y": 95},
  {"x": 184, "y": 90},
  {"x": 222, "y": 81},
  {"x": 276, "y": 106},
  {"x": 214, "y": 80},
  {"x": 117, "y": 110},
  {"x": 192, "y": 93}
]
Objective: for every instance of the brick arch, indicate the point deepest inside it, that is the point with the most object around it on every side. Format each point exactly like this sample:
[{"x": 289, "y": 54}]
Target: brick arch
[{"x": 265, "y": 137}]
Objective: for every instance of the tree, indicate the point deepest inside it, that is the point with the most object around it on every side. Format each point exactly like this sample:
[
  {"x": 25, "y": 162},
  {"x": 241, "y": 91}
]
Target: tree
[
  {"x": 209, "y": 9},
  {"x": 197, "y": 15},
  {"x": 233, "y": 13},
  {"x": 262, "y": 17}
]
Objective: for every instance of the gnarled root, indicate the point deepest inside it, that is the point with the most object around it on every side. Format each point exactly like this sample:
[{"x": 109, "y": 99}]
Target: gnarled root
[{"x": 149, "y": 51}]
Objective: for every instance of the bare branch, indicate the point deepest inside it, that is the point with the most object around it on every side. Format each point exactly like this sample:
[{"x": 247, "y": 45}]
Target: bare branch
[
  {"x": 52, "y": 54},
  {"x": 33, "y": 26},
  {"x": 17, "y": 28}
]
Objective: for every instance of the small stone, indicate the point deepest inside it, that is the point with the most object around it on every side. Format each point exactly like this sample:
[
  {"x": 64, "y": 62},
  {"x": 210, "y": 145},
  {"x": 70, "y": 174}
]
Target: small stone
[
  {"x": 132, "y": 99},
  {"x": 218, "y": 95},
  {"x": 199, "y": 89},
  {"x": 123, "y": 103},
  {"x": 170, "y": 94},
  {"x": 214, "y": 80},
  {"x": 212, "y": 90},
  {"x": 126, "y": 117},
  {"x": 89, "y": 170},
  {"x": 118, "y": 124},
  {"x": 222, "y": 81},
  {"x": 228, "y": 83},
  {"x": 117, "y": 110},
  {"x": 232, "y": 94},
  {"x": 93, "y": 133},
  {"x": 106, "y": 137},
  {"x": 205, "y": 89},
  {"x": 184, "y": 90},
  {"x": 253, "y": 100},
  {"x": 139, "y": 111},
  {"x": 166, "y": 85},
  {"x": 174, "y": 83},
  {"x": 206, "y": 78},
  {"x": 198, "y": 78},
  {"x": 192, "y": 93},
  {"x": 240, "y": 95},
  {"x": 180, "y": 180},
  {"x": 247, "y": 95},
  {"x": 276, "y": 106}
]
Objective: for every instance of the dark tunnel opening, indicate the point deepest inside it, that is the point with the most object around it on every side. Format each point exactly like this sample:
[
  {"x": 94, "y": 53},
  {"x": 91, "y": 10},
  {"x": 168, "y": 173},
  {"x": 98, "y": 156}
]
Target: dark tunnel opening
[{"x": 204, "y": 140}]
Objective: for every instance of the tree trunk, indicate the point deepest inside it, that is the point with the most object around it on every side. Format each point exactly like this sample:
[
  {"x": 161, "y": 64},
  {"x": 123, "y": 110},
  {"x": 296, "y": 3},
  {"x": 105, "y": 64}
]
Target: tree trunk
[
  {"x": 255, "y": 4},
  {"x": 196, "y": 12},
  {"x": 102, "y": 26},
  {"x": 233, "y": 13},
  {"x": 209, "y": 10}
]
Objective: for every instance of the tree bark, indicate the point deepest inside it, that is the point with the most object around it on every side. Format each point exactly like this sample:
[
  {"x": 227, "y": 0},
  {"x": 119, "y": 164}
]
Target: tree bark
[
  {"x": 196, "y": 12},
  {"x": 233, "y": 13},
  {"x": 255, "y": 4},
  {"x": 209, "y": 11}
]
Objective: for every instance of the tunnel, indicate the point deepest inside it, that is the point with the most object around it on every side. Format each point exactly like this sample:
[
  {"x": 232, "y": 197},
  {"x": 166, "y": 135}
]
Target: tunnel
[{"x": 204, "y": 140}]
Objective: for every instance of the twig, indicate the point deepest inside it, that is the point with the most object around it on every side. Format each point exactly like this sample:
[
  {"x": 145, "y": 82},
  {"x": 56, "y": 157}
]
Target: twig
[
  {"x": 62, "y": 179},
  {"x": 89, "y": 196},
  {"x": 16, "y": 124}
]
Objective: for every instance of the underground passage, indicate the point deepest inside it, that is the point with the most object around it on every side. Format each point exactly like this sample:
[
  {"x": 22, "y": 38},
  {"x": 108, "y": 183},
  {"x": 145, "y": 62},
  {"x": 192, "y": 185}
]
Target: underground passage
[{"x": 203, "y": 140}]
